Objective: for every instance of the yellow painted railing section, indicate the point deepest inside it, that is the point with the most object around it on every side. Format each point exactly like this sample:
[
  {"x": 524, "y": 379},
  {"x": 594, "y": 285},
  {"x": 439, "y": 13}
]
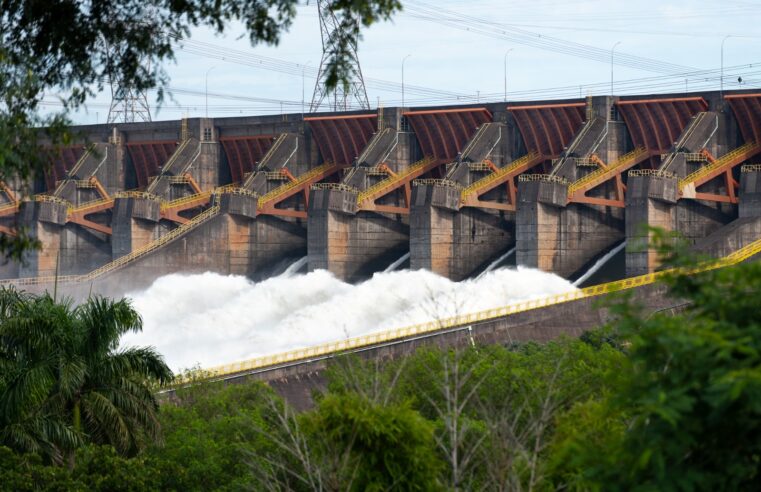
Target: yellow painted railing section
[
  {"x": 154, "y": 245},
  {"x": 400, "y": 333},
  {"x": 504, "y": 171},
  {"x": 390, "y": 182},
  {"x": 719, "y": 163},
  {"x": 120, "y": 262},
  {"x": 626, "y": 159},
  {"x": 286, "y": 188},
  {"x": 185, "y": 200}
]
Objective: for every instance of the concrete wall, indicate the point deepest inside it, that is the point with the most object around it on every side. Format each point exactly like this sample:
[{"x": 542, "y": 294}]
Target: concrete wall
[
  {"x": 351, "y": 246},
  {"x": 455, "y": 243}
]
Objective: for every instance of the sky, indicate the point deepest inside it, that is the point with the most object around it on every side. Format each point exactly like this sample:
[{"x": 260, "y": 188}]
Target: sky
[{"x": 559, "y": 48}]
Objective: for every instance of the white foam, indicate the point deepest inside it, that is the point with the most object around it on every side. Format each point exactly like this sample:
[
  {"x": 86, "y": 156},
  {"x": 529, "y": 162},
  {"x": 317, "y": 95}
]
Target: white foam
[{"x": 211, "y": 319}]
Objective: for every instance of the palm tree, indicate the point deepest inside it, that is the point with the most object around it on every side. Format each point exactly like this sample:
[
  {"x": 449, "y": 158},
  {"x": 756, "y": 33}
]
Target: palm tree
[{"x": 64, "y": 380}]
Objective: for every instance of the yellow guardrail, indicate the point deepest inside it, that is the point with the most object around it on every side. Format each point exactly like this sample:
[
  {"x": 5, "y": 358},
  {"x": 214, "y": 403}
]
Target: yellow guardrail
[
  {"x": 546, "y": 178},
  {"x": 137, "y": 194},
  {"x": 503, "y": 171},
  {"x": 437, "y": 182},
  {"x": 282, "y": 190},
  {"x": 601, "y": 173},
  {"x": 656, "y": 173},
  {"x": 52, "y": 199},
  {"x": 91, "y": 205},
  {"x": 479, "y": 166},
  {"x": 466, "y": 319},
  {"x": 152, "y": 246},
  {"x": 235, "y": 190},
  {"x": 184, "y": 200},
  {"x": 334, "y": 186},
  {"x": 119, "y": 262},
  {"x": 392, "y": 180},
  {"x": 720, "y": 162}
]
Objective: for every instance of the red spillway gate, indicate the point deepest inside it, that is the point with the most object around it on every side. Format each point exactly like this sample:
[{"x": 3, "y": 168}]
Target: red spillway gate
[
  {"x": 341, "y": 139},
  {"x": 444, "y": 133},
  {"x": 148, "y": 157},
  {"x": 548, "y": 128},
  {"x": 244, "y": 152},
  {"x": 747, "y": 109},
  {"x": 60, "y": 162},
  {"x": 655, "y": 124}
]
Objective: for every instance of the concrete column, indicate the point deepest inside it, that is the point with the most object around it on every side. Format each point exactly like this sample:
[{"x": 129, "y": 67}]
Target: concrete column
[
  {"x": 538, "y": 223},
  {"x": 559, "y": 238},
  {"x": 452, "y": 242},
  {"x": 432, "y": 228},
  {"x": 206, "y": 167},
  {"x": 135, "y": 223},
  {"x": 45, "y": 222},
  {"x": 351, "y": 245},
  {"x": 650, "y": 202}
]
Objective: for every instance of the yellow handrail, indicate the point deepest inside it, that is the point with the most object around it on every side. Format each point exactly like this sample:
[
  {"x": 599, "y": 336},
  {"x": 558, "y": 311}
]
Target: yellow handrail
[
  {"x": 184, "y": 200},
  {"x": 720, "y": 162},
  {"x": 52, "y": 199},
  {"x": 390, "y": 181},
  {"x": 503, "y": 171},
  {"x": 137, "y": 194},
  {"x": 152, "y": 246},
  {"x": 119, "y": 262},
  {"x": 460, "y": 320},
  {"x": 90, "y": 205},
  {"x": 628, "y": 158},
  {"x": 282, "y": 190}
]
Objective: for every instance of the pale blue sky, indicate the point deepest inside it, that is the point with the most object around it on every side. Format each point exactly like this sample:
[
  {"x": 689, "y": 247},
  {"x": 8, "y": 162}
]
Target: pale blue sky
[{"x": 469, "y": 63}]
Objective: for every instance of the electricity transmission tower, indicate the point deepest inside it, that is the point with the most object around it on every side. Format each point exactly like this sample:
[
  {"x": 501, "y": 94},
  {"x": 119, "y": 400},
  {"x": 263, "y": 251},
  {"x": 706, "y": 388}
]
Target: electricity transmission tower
[
  {"x": 341, "y": 98},
  {"x": 127, "y": 104}
]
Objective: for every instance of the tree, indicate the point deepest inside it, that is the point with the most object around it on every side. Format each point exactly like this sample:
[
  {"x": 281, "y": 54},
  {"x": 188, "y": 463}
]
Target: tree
[
  {"x": 64, "y": 380},
  {"x": 75, "y": 47},
  {"x": 685, "y": 413}
]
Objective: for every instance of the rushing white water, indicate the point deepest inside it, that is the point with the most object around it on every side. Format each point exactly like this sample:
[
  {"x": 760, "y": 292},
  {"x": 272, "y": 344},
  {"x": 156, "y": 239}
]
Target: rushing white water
[
  {"x": 496, "y": 262},
  {"x": 600, "y": 263},
  {"x": 211, "y": 319},
  {"x": 295, "y": 266},
  {"x": 392, "y": 267}
]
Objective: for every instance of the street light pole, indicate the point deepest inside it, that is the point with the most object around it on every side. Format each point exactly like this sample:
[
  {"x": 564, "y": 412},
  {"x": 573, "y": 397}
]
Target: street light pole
[
  {"x": 303, "y": 76},
  {"x": 206, "y": 91},
  {"x": 612, "y": 51},
  {"x": 721, "y": 84},
  {"x": 505, "y": 60},
  {"x": 403, "y": 60}
]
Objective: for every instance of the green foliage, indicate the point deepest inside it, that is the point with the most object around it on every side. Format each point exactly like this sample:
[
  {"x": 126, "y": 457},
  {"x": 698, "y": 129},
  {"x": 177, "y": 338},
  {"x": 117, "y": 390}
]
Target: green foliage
[
  {"x": 210, "y": 438},
  {"x": 64, "y": 380},
  {"x": 387, "y": 446}
]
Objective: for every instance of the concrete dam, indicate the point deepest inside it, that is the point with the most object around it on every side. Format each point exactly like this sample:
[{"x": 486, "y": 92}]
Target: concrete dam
[{"x": 558, "y": 184}]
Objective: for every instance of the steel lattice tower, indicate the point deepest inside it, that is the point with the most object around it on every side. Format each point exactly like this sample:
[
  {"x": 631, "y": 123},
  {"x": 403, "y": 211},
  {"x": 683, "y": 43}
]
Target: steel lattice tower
[
  {"x": 339, "y": 99},
  {"x": 127, "y": 104}
]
